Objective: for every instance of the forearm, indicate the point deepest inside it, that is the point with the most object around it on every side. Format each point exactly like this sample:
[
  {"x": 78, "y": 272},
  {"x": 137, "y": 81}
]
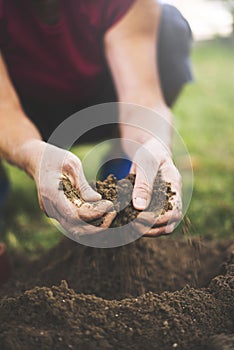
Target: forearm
[
  {"x": 16, "y": 130},
  {"x": 140, "y": 123},
  {"x": 16, "y": 135},
  {"x": 131, "y": 51}
]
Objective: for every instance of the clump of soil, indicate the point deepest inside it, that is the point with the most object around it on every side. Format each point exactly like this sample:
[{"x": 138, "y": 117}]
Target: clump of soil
[
  {"x": 74, "y": 297},
  {"x": 120, "y": 193}
]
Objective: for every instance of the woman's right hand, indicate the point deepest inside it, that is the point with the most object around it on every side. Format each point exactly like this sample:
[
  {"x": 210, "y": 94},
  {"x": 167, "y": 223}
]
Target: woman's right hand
[{"x": 49, "y": 165}]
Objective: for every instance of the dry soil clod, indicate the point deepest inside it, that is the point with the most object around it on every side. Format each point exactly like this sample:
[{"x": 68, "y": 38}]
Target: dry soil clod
[{"x": 120, "y": 193}]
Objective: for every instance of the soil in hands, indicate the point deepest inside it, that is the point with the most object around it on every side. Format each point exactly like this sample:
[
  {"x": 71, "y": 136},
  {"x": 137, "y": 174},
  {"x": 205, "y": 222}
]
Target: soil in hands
[{"x": 120, "y": 193}]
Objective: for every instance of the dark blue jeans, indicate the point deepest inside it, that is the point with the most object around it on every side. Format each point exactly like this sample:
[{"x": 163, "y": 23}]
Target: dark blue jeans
[{"x": 174, "y": 45}]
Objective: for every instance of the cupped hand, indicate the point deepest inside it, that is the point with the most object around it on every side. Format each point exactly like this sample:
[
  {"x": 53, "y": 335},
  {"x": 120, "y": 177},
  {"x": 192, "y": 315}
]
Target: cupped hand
[
  {"x": 54, "y": 164},
  {"x": 151, "y": 158}
]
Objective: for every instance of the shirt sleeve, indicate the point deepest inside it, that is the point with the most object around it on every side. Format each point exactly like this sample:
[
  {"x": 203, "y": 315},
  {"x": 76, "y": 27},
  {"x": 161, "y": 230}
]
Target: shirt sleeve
[{"x": 113, "y": 11}]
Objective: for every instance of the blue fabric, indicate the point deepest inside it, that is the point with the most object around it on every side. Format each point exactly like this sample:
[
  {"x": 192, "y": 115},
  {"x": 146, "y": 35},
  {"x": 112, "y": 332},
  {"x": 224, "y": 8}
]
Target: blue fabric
[
  {"x": 174, "y": 45},
  {"x": 119, "y": 167}
]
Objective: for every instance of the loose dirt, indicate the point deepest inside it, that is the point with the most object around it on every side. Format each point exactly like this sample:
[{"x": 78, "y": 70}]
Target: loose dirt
[
  {"x": 120, "y": 193},
  {"x": 166, "y": 293}
]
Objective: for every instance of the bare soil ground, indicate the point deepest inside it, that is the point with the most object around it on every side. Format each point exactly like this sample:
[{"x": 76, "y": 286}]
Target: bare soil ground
[{"x": 151, "y": 294}]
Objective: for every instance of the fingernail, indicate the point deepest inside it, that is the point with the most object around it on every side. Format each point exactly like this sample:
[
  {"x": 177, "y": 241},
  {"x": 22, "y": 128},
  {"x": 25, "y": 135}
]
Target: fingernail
[
  {"x": 140, "y": 203},
  {"x": 92, "y": 196},
  {"x": 97, "y": 196}
]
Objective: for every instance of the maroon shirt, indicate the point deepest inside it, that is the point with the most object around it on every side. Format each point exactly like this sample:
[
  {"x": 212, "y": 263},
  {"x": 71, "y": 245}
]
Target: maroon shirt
[{"x": 62, "y": 62}]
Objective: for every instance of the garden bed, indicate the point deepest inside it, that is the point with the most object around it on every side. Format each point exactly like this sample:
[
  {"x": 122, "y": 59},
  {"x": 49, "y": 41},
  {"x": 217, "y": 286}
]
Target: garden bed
[{"x": 152, "y": 294}]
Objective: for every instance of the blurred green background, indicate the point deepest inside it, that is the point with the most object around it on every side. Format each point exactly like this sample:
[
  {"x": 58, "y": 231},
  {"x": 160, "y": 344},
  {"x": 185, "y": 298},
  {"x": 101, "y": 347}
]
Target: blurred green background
[{"x": 204, "y": 115}]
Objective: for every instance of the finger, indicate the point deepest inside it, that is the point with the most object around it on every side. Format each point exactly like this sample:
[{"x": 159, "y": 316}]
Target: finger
[
  {"x": 139, "y": 227},
  {"x": 108, "y": 218},
  {"x": 174, "y": 215},
  {"x": 145, "y": 176},
  {"x": 148, "y": 231},
  {"x": 164, "y": 219},
  {"x": 69, "y": 218},
  {"x": 171, "y": 174},
  {"x": 148, "y": 218},
  {"x": 86, "y": 191},
  {"x": 41, "y": 204},
  {"x": 81, "y": 228},
  {"x": 160, "y": 231},
  {"x": 154, "y": 220},
  {"x": 48, "y": 208},
  {"x": 65, "y": 209},
  {"x": 74, "y": 169},
  {"x": 84, "y": 213},
  {"x": 91, "y": 211},
  {"x": 132, "y": 169}
]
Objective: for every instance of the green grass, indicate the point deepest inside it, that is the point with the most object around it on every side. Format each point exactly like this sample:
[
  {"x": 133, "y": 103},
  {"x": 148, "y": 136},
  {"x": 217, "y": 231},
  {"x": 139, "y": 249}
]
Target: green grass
[{"x": 204, "y": 115}]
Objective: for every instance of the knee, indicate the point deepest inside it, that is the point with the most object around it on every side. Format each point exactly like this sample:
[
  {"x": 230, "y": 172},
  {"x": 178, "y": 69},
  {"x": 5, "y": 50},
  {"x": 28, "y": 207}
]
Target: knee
[
  {"x": 174, "y": 43},
  {"x": 175, "y": 31}
]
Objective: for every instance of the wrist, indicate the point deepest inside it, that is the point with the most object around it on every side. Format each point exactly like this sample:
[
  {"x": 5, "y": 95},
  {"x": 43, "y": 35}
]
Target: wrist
[
  {"x": 140, "y": 125},
  {"x": 158, "y": 149},
  {"x": 31, "y": 153}
]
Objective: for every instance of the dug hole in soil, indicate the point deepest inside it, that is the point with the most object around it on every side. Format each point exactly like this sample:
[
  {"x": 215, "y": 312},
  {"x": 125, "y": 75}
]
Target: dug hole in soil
[{"x": 164, "y": 293}]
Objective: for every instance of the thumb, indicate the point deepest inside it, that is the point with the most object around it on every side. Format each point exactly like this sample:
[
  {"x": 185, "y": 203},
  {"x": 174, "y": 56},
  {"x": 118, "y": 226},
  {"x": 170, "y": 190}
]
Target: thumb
[
  {"x": 144, "y": 182},
  {"x": 86, "y": 191},
  {"x": 80, "y": 182}
]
